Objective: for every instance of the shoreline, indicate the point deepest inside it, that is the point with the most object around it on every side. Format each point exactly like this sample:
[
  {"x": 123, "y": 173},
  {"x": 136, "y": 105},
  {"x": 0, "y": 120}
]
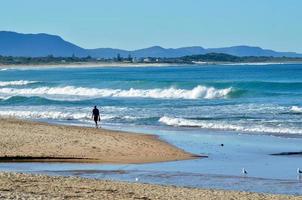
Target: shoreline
[
  {"x": 120, "y": 64},
  {"x": 87, "y": 64},
  {"x": 18, "y": 185},
  {"x": 27, "y": 141}
]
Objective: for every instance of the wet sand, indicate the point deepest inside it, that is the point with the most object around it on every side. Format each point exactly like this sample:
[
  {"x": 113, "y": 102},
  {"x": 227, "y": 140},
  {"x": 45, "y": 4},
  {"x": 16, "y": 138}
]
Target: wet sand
[
  {"x": 40, "y": 142},
  {"x": 24, "y": 186}
]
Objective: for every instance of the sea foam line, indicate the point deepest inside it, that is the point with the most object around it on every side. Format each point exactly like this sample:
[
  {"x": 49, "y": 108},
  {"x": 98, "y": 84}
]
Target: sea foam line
[
  {"x": 181, "y": 122},
  {"x": 16, "y": 83},
  {"x": 198, "y": 92},
  {"x": 53, "y": 115}
]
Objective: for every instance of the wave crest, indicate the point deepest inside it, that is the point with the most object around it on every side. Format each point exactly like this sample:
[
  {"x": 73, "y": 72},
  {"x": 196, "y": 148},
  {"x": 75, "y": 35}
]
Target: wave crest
[
  {"x": 52, "y": 115},
  {"x": 45, "y": 115},
  {"x": 296, "y": 109},
  {"x": 84, "y": 116},
  {"x": 16, "y": 83},
  {"x": 171, "y": 93},
  {"x": 181, "y": 122}
]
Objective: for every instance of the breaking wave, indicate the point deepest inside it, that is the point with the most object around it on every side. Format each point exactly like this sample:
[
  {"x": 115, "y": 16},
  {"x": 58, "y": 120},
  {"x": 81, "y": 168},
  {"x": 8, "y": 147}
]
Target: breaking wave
[
  {"x": 52, "y": 115},
  {"x": 296, "y": 109},
  {"x": 16, "y": 83},
  {"x": 44, "y": 115},
  {"x": 181, "y": 122},
  {"x": 199, "y": 92}
]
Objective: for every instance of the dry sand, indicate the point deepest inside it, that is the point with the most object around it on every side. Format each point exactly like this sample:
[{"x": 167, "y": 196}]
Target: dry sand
[
  {"x": 22, "y": 186},
  {"x": 32, "y": 141},
  {"x": 85, "y": 64}
]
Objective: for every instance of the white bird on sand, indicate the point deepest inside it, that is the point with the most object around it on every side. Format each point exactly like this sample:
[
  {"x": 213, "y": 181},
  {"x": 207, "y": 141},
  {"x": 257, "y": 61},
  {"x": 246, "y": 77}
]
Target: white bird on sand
[
  {"x": 244, "y": 171},
  {"x": 299, "y": 171}
]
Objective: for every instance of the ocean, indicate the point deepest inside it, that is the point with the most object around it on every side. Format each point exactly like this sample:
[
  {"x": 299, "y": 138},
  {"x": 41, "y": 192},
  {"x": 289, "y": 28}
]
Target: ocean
[
  {"x": 254, "y": 110},
  {"x": 253, "y": 99}
]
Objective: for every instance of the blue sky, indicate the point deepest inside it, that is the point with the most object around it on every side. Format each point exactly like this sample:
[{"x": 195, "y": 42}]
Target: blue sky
[{"x": 132, "y": 24}]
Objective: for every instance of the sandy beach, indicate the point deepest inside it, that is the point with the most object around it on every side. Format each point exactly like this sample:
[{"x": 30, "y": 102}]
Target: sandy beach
[
  {"x": 32, "y": 141},
  {"x": 27, "y": 141},
  {"x": 84, "y": 64},
  {"x": 133, "y": 65},
  {"x": 24, "y": 186}
]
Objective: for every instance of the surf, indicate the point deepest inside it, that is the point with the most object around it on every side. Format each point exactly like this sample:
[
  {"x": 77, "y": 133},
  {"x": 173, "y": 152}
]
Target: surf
[
  {"x": 296, "y": 110},
  {"x": 228, "y": 126},
  {"x": 198, "y": 92},
  {"x": 16, "y": 83}
]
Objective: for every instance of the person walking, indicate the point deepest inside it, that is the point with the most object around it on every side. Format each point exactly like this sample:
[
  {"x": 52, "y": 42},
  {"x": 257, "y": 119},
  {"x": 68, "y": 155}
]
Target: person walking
[{"x": 96, "y": 116}]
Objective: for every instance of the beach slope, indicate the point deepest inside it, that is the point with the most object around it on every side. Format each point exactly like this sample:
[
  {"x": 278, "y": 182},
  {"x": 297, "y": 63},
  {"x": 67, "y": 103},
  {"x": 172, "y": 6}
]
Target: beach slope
[
  {"x": 35, "y": 142},
  {"x": 23, "y": 186}
]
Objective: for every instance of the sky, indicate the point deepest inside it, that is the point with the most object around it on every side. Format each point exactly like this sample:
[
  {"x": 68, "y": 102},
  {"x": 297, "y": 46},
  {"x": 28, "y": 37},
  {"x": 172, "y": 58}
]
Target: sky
[{"x": 133, "y": 24}]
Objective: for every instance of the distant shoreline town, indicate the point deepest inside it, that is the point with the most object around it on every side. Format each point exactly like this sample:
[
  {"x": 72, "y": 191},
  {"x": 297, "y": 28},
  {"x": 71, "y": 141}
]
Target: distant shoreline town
[{"x": 211, "y": 58}]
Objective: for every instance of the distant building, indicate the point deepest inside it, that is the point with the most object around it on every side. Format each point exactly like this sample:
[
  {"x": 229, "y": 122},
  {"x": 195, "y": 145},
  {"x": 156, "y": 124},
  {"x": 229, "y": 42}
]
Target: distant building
[
  {"x": 147, "y": 60},
  {"x": 135, "y": 60},
  {"x": 126, "y": 61}
]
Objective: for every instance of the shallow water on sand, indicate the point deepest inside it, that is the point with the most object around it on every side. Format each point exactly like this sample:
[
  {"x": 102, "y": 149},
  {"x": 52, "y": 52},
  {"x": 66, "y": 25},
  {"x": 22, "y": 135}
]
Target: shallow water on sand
[{"x": 222, "y": 169}]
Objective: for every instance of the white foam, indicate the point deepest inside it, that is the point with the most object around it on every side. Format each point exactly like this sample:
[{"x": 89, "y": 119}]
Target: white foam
[
  {"x": 296, "y": 109},
  {"x": 15, "y": 83},
  {"x": 53, "y": 115},
  {"x": 5, "y": 98},
  {"x": 44, "y": 115},
  {"x": 66, "y": 113},
  {"x": 180, "y": 122},
  {"x": 170, "y": 93}
]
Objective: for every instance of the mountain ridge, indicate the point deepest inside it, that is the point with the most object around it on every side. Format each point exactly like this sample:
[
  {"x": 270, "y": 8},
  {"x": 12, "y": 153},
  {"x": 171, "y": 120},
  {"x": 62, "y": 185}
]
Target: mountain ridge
[{"x": 42, "y": 44}]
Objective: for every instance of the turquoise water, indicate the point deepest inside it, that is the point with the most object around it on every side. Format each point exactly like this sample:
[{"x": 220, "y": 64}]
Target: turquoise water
[
  {"x": 258, "y": 99},
  {"x": 254, "y": 110}
]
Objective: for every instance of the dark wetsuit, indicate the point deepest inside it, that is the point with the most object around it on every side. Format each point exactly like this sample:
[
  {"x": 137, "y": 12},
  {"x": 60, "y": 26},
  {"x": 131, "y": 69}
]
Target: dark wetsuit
[{"x": 96, "y": 114}]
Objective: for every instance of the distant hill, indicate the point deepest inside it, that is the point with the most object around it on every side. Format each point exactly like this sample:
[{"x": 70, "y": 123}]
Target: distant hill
[
  {"x": 155, "y": 51},
  {"x": 251, "y": 51},
  {"x": 107, "y": 52},
  {"x": 37, "y": 45},
  {"x": 226, "y": 58}
]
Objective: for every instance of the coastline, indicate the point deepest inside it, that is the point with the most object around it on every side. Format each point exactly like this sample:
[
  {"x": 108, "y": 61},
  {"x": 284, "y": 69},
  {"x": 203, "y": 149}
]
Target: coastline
[
  {"x": 26, "y": 141},
  {"x": 87, "y": 64},
  {"x": 17, "y": 185},
  {"x": 121, "y": 64}
]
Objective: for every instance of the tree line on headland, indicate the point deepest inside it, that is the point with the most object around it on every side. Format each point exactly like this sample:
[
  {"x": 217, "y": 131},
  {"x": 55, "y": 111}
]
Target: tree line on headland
[{"x": 206, "y": 58}]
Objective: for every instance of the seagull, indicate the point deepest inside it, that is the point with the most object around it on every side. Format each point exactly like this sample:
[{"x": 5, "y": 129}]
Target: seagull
[
  {"x": 244, "y": 171},
  {"x": 136, "y": 179},
  {"x": 299, "y": 171}
]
